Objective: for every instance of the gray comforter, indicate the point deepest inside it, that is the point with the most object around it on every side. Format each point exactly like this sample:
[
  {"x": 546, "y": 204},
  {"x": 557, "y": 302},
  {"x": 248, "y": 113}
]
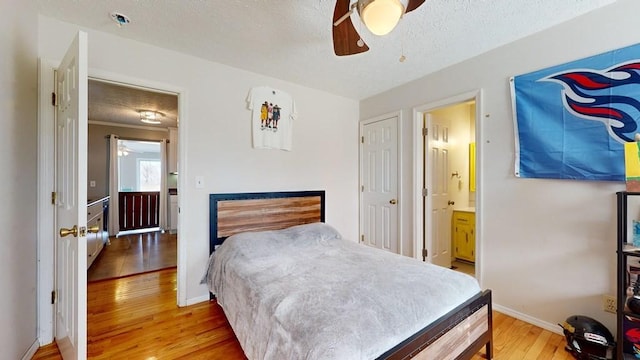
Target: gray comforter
[{"x": 305, "y": 293}]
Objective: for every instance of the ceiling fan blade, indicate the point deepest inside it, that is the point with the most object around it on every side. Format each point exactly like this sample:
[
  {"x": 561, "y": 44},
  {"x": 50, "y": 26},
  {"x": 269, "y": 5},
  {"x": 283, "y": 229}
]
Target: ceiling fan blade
[
  {"x": 345, "y": 36},
  {"x": 413, "y": 4}
]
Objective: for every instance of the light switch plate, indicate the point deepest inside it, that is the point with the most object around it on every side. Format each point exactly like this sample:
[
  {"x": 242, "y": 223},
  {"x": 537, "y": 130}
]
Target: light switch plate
[
  {"x": 199, "y": 182},
  {"x": 92, "y": 183}
]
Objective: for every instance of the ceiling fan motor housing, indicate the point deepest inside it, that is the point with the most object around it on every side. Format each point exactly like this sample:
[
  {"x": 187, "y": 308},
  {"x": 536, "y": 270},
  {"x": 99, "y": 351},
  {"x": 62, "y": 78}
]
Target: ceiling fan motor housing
[{"x": 379, "y": 16}]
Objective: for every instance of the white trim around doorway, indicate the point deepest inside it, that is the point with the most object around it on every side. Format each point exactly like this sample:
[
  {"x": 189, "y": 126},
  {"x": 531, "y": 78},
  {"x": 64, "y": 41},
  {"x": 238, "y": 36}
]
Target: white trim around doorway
[
  {"x": 46, "y": 185},
  {"x": 418, "y": 215}
]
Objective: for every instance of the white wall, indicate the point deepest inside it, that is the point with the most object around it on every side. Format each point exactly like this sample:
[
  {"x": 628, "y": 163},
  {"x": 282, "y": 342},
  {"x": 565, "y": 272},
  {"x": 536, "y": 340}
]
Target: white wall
[
  {"x": 215, "y": 138},
  {"x": 547, "y": 246},
  {"x": 18, "y": 104}
]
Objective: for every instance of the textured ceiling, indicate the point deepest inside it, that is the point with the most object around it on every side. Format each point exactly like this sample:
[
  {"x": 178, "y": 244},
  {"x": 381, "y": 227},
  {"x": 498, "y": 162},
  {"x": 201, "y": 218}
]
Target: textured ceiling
[
  {"x": 291, "y": 39},
  {"x": 122, "y": 105}
]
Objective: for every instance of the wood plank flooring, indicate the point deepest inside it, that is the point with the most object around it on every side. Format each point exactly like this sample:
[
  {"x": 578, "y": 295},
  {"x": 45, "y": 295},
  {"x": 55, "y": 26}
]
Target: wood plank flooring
[
  {"x": 136, "y": 317},
  {"x": 134, "y": 254}
]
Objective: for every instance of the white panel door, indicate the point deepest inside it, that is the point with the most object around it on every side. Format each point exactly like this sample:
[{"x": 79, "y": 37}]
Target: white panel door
[
  {"x": 71, "y": 206},
  {"x": 438, "y": 231},
  {"x": 379, "y": 173}
]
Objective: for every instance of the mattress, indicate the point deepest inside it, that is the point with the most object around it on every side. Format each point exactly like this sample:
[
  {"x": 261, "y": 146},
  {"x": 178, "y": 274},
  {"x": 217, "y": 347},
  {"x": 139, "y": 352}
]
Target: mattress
[{"x": 307, "y": 293}]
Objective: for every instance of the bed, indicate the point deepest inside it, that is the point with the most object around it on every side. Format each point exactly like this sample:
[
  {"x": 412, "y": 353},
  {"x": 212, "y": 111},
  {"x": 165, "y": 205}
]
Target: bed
[{"x": 292, "y": 287}]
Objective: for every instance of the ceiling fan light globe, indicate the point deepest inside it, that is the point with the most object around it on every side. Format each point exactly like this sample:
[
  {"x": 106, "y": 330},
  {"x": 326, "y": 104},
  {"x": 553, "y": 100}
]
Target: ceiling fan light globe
[{"x": 381, "y": 16}]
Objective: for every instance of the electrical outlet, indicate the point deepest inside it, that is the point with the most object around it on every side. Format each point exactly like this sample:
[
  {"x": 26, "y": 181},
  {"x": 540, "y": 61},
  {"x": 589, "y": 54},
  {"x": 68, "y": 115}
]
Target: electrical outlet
[{"x": 609, "y": 303}]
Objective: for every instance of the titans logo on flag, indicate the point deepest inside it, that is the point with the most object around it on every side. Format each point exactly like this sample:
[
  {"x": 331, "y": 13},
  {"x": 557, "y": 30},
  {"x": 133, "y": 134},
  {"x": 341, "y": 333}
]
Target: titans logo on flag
[
  {"x": 600, "y": 96},
  {"x": 572, "y": 120}
]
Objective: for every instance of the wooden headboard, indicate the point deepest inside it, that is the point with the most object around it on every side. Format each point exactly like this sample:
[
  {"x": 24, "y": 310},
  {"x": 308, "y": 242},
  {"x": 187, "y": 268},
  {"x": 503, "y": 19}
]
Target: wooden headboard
[{"x": 238, "y": 212}]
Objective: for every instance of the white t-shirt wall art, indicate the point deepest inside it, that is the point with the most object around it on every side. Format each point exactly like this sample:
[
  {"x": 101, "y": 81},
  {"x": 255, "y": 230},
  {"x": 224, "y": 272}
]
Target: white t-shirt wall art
[{"x": 273, "y": 112}]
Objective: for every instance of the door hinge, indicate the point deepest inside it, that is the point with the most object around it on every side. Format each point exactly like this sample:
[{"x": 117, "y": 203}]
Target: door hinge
[
  {"x": 425, "y": 131},
  {"x": 362, "y": 188},
  {"x": 362, "y": 139},
  {"x": 54, "y": 99},
  {"x": 362, "y": 238},
  {"x": 54, "y": 297},
  {"x": 425, "y": 192},
  {"x": 425, "y": 253},
  {"x": 54, "y": 197}
]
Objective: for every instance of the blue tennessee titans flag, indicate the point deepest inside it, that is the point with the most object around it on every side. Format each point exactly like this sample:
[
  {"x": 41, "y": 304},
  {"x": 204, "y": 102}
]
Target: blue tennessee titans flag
[{"x": 572, "y": 120}]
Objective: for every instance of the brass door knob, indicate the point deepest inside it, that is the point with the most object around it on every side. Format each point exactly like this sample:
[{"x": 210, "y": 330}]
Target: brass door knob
[
  {"x": 393, "y": 201},
  {"x": 451, "y": 202},
  {"x": 73, "y": 231},
  {"x": 94, "y": 229}
]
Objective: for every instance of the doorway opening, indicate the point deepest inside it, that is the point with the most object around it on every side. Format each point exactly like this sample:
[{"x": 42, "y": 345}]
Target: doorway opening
[
  {"x": 446, "y": 177},
  {"x": 133, "y": 161},
  {"x": 139, "y": 170},
  {"x": 47, "y": 221}
]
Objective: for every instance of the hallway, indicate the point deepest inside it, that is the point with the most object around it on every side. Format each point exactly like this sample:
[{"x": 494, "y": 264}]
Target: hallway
[{"x": 134, "y": 254}]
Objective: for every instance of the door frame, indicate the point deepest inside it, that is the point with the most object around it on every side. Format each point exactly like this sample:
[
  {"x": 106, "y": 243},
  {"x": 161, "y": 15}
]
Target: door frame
[
  {"x": 418, "y": 161},
  {"x": 362, "y": 123},
  {"x": 45, "y": 222},
  {"x": 46, "y": 184}
]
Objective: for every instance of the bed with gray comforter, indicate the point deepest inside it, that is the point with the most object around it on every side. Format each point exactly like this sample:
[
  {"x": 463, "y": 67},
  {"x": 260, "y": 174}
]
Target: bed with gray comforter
[{"x": 307, "y": 293}]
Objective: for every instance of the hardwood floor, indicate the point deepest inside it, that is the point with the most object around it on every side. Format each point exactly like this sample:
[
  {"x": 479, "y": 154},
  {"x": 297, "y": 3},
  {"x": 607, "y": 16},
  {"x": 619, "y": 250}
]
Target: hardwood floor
[
  {"x": 136, "y": 317},
  {"x": 134, "y": 254}
]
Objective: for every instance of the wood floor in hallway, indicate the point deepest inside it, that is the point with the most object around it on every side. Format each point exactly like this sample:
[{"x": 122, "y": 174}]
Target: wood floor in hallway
[
  {"x": 136, "y": 317},
  {"x": 134, "y": 254}
]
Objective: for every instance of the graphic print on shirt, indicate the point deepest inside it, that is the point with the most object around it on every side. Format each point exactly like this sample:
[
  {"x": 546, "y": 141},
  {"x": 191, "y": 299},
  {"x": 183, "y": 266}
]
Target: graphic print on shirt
[{"x": 269, "y": 116}]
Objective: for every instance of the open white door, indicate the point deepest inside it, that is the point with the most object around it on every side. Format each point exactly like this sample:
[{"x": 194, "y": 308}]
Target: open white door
[
  {"x": 379, "y": 188},
  {"x": 71, "y": 204},
  {"x": 438, "y": 216}
]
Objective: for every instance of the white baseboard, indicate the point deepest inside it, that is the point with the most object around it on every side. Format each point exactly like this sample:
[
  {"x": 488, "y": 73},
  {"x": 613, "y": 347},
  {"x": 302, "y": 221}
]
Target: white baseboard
[
  {"x": 198, "y": 299},
  {"x": 32, "y": 350},
  {"x": 554, "y": 328}
]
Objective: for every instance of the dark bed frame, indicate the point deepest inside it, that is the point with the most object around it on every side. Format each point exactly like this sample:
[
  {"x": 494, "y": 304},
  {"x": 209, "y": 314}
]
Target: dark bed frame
[{"x": 459, "y": 334}]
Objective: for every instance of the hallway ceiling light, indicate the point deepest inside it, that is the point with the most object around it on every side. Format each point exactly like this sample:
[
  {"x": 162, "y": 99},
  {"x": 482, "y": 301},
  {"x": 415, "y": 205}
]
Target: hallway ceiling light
[{"x": 150, "y": 117}]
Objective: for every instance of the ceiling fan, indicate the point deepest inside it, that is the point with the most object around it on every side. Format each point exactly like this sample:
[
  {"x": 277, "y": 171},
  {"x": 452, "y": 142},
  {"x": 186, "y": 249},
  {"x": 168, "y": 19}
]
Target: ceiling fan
[{"x": 379, "y": 16}]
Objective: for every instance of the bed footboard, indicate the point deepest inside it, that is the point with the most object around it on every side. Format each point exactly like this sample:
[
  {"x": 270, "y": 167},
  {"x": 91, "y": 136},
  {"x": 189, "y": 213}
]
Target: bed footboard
[{"x": 460, "y": 334}]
